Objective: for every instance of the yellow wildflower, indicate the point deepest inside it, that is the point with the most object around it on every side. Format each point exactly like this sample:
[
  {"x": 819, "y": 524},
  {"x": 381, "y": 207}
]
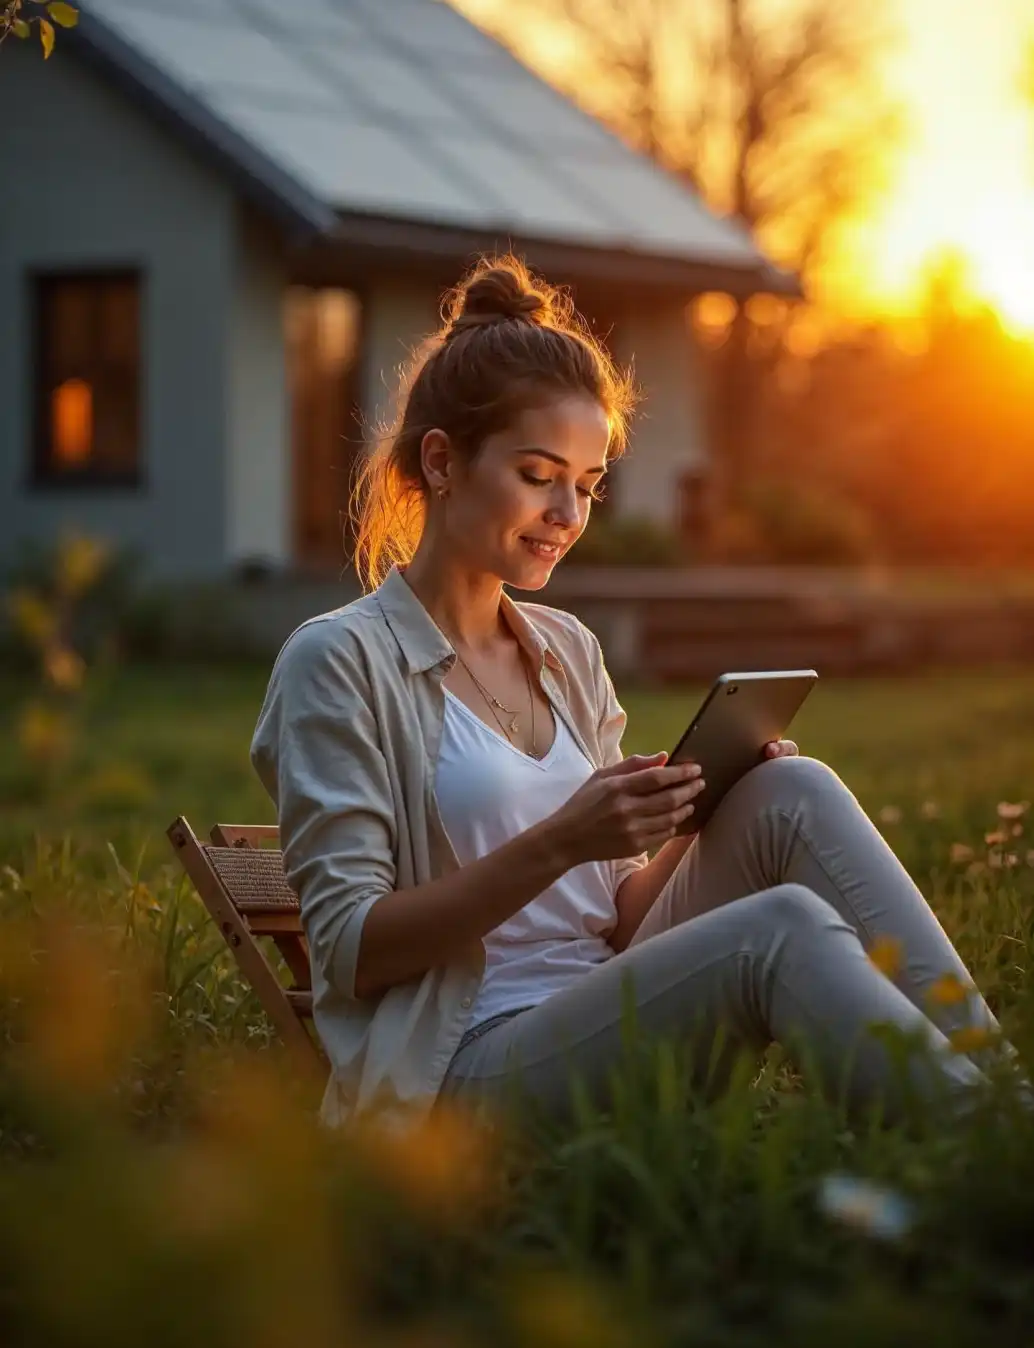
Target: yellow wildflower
[
  {"x": 80, "y": 563},
  {"x": 970, "y": 1038},
  {"x": 42, "y": 733},
  {"x": 64, "y": 668},
  {"x": 34, "y": 618},
  {"x": 948, "y": 990},
  {"x": 887, "y": 955},
  {"x": 890, "y": 814}
]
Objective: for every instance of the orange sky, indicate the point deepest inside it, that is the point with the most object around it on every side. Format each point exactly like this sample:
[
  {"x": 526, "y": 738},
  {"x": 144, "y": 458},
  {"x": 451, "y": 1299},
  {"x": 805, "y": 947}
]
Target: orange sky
[{"x": 966, "y": 176}]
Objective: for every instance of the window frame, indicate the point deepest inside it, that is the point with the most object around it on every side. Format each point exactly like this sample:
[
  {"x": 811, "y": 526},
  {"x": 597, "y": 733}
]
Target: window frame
[{"x": 42, "y": 475}]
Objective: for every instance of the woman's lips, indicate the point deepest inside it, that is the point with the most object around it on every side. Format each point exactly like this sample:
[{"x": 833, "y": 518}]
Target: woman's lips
[{"x": 547, "y": 551}]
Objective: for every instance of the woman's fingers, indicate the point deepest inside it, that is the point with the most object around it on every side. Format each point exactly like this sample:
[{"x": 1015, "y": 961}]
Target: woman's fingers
[
  {"x": 781, "y": 749},
  {"x": 669, "y": 802}
]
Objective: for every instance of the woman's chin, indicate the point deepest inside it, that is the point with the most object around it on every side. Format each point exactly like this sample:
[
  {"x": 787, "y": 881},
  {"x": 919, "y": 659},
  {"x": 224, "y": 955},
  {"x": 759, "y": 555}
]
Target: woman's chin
[{"x": 530, "y": 575}]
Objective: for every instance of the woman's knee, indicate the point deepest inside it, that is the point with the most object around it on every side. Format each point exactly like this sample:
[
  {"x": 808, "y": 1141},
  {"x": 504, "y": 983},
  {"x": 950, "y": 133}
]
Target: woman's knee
[
  {"x": 796, "y": 908},
  {"x": 789, "y": 781},
  {"x": 800, "y": 772}
]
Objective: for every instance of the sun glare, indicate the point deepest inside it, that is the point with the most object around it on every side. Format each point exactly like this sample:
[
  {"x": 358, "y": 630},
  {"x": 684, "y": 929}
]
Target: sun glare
[
  {"x": 966, "y": 186},
  {"x": 991, "y": 232}
]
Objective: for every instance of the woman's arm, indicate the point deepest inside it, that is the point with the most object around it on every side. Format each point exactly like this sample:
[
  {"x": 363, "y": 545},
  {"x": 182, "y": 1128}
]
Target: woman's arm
[
  {"x": 637, "y": 880},
  {"x": 409, "y": 931},
  {"x": 637, "y": 892}
]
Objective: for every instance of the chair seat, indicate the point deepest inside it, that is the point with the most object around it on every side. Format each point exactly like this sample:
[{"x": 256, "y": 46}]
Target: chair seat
[{"x": 254, "y": 879}]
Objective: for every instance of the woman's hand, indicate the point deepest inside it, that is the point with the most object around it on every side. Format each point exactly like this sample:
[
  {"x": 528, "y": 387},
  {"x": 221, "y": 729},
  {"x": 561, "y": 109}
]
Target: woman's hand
[
  {"x": 781, "y": 749},
  {"x": 626, "y": 809}
]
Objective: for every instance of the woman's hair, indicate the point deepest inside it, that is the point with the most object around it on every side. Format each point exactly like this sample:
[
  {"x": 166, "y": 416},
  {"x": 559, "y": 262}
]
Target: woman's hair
[{"x": 508, "y": 341}]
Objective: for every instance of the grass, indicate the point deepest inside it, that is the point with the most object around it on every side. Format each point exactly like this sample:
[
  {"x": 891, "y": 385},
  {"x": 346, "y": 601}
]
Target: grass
[{"x": 153, "y": 1153}]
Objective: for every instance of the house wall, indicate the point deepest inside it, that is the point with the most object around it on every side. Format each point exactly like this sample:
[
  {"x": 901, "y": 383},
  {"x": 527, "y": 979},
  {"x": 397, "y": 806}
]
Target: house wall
[
  {"x": 398, "y": 312},
  {"x": 89, "y": 182},
  {"x": 259, "y": 482},
  {"x": 668, "y": 433}
]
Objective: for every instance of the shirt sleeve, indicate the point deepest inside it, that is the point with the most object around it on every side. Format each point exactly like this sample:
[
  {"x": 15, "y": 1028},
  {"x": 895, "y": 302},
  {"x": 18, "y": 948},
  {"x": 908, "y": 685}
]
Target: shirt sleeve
[
  {"x": 317, "y": 751},
  {"x": 611, "y": 728}
]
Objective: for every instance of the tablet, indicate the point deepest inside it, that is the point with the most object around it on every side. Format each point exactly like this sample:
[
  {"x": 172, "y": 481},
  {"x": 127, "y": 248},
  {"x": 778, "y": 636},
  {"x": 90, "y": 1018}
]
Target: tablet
[{"x": 727, "y": 737}]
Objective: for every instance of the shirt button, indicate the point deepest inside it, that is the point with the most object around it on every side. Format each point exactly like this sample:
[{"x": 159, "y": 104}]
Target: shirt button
[{"x": 465, "y": 1003}]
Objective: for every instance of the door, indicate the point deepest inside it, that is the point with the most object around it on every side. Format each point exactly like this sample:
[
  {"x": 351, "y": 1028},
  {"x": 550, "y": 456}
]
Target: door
[{"x": 324, "y": 339}]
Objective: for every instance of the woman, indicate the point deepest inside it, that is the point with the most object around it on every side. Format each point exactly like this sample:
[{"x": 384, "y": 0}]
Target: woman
[{"x": 468, "y": 843}]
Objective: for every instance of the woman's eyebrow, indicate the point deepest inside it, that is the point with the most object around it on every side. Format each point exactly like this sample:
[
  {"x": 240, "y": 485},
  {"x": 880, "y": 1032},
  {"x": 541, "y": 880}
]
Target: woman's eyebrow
[{"x": 557, "y": 458}]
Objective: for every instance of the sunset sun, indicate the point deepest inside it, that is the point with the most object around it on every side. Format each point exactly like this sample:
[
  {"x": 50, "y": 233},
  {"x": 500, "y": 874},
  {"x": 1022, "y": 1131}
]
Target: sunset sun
[{"x": 965, "y": 185}]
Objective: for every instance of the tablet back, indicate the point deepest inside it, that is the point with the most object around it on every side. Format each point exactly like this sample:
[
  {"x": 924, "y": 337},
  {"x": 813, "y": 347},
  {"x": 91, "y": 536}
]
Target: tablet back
[{"x": 739, "y": 716}]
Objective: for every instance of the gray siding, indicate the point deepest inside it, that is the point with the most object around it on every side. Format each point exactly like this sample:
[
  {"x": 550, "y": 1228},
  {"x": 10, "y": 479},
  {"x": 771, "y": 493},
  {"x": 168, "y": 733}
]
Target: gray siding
[
  {"x": 399, "y": 313},
  {"x": 88, "y": 181},
  {"x": 668, "y": 435},
  {"x": 259, "y": 482}
]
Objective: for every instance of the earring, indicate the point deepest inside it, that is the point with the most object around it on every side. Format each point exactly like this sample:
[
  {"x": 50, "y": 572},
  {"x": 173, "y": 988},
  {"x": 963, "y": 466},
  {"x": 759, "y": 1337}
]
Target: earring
[{"x": 443, "y": 493}]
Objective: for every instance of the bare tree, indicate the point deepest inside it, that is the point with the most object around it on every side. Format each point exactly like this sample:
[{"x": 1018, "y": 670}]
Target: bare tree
[{"x": 771, "y": 109}]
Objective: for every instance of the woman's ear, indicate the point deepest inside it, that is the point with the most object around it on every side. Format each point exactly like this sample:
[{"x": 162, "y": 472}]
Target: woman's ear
[{"x": 436, "y": 459}]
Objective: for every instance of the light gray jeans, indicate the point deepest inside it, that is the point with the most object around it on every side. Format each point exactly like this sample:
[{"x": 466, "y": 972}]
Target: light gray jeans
[{"x": 760, "y": 934}]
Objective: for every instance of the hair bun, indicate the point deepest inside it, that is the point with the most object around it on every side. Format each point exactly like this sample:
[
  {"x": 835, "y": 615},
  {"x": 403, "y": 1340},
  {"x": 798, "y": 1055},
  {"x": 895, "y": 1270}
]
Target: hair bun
[{"x": 496, "y": 294}]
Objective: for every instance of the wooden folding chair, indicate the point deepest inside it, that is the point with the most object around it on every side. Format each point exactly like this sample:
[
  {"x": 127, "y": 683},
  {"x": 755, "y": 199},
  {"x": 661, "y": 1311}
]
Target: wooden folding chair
[{"x": 241, "y": 882}]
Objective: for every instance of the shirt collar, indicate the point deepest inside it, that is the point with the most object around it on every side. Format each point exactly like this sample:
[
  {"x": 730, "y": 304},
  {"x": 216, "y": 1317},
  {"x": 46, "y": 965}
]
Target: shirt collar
[{"x": 425, "y": 645}]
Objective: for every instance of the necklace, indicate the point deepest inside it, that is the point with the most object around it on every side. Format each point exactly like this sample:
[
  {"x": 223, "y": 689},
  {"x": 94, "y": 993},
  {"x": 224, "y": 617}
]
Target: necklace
[{"x": 493, "y": 702}]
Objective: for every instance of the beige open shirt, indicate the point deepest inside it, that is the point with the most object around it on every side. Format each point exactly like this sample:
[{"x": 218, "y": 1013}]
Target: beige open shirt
[{"x": 347, "y": 746}]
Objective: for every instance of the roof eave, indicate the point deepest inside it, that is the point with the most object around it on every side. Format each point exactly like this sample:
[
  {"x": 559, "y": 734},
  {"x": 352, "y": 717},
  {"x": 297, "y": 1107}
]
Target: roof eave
[
  {"x": 259, "y": 178},
  {"x": 369, "y": 237}
]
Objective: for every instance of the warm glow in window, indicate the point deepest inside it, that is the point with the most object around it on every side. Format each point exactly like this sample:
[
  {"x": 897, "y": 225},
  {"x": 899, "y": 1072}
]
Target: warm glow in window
[{"x": 71, "y": 411}]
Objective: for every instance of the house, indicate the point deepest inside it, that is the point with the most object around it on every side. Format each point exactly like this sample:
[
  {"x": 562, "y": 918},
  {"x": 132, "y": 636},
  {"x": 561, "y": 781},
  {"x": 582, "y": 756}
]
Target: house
[{"x": 225, "y": 222}]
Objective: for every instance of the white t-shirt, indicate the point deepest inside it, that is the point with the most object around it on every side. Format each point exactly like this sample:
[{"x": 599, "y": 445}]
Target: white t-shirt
[{"x": 489, "y": 791}]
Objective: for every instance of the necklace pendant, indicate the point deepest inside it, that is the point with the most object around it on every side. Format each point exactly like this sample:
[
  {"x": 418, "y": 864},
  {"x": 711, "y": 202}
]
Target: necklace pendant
[{"x": 513, "y": 726}]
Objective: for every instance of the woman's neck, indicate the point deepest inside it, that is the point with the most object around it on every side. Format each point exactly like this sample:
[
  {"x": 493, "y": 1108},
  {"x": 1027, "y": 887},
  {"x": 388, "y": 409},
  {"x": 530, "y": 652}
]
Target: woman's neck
[{"x": 463, "y": 603}]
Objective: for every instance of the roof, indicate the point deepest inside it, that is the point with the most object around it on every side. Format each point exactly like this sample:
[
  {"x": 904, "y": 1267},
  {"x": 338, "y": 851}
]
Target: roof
[{"x": 402, "y": 110}]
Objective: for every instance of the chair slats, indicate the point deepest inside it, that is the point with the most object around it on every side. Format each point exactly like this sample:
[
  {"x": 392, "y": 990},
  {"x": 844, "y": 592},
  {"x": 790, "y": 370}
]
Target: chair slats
[
  {"x": 244, "y": 835},
  {"x": 244, "y": 889},
  {"x": 254, "y": 879}
]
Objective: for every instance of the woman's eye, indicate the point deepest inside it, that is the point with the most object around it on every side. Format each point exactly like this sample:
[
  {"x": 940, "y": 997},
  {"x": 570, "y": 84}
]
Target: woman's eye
[{"x": 593, "y": 493}]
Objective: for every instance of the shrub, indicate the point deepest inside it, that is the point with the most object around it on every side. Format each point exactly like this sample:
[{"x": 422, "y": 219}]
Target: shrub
[
  {"x": 797, "y": 523},
  {"x": 628, "y": 541}
]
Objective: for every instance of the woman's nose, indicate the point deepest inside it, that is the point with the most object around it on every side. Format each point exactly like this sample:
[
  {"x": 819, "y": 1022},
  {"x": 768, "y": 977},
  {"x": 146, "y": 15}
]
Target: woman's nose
[{"x": 563, "y": 509}]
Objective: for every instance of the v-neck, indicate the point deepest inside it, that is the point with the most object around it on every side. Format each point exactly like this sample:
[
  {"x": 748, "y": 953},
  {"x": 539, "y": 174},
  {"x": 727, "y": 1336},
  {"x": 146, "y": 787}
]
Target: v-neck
[{"x": 483, "y": 725}]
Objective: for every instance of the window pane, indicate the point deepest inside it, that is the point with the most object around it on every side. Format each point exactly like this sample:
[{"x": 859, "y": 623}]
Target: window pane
[
  {"x": 117, "y": 305},
  {"x": 116, "y": 427},
  {"x": 71, "y": 428},
  {"x": 69, "y": 327},
  {"x": 88, "y": 377}
]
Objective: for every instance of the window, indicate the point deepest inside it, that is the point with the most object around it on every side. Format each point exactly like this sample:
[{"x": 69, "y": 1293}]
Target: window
[{"x": 87, "y": 379}]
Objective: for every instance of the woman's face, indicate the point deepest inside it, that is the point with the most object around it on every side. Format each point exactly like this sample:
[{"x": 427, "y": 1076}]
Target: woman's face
[{"x": 524, "y": 499}]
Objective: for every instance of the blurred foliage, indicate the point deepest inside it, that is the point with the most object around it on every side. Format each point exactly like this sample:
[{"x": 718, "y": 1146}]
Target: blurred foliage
[
  {"x": 923, "y": 426},
  {"x": 628, "y": 540},
  {"x": 163, "y": 1178},
  {"x": 19, "y": 17},
  {"x": 796, "y": 524},
  {"x": 43, "y": 616},
  {"x": 123, "y": 614}
]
